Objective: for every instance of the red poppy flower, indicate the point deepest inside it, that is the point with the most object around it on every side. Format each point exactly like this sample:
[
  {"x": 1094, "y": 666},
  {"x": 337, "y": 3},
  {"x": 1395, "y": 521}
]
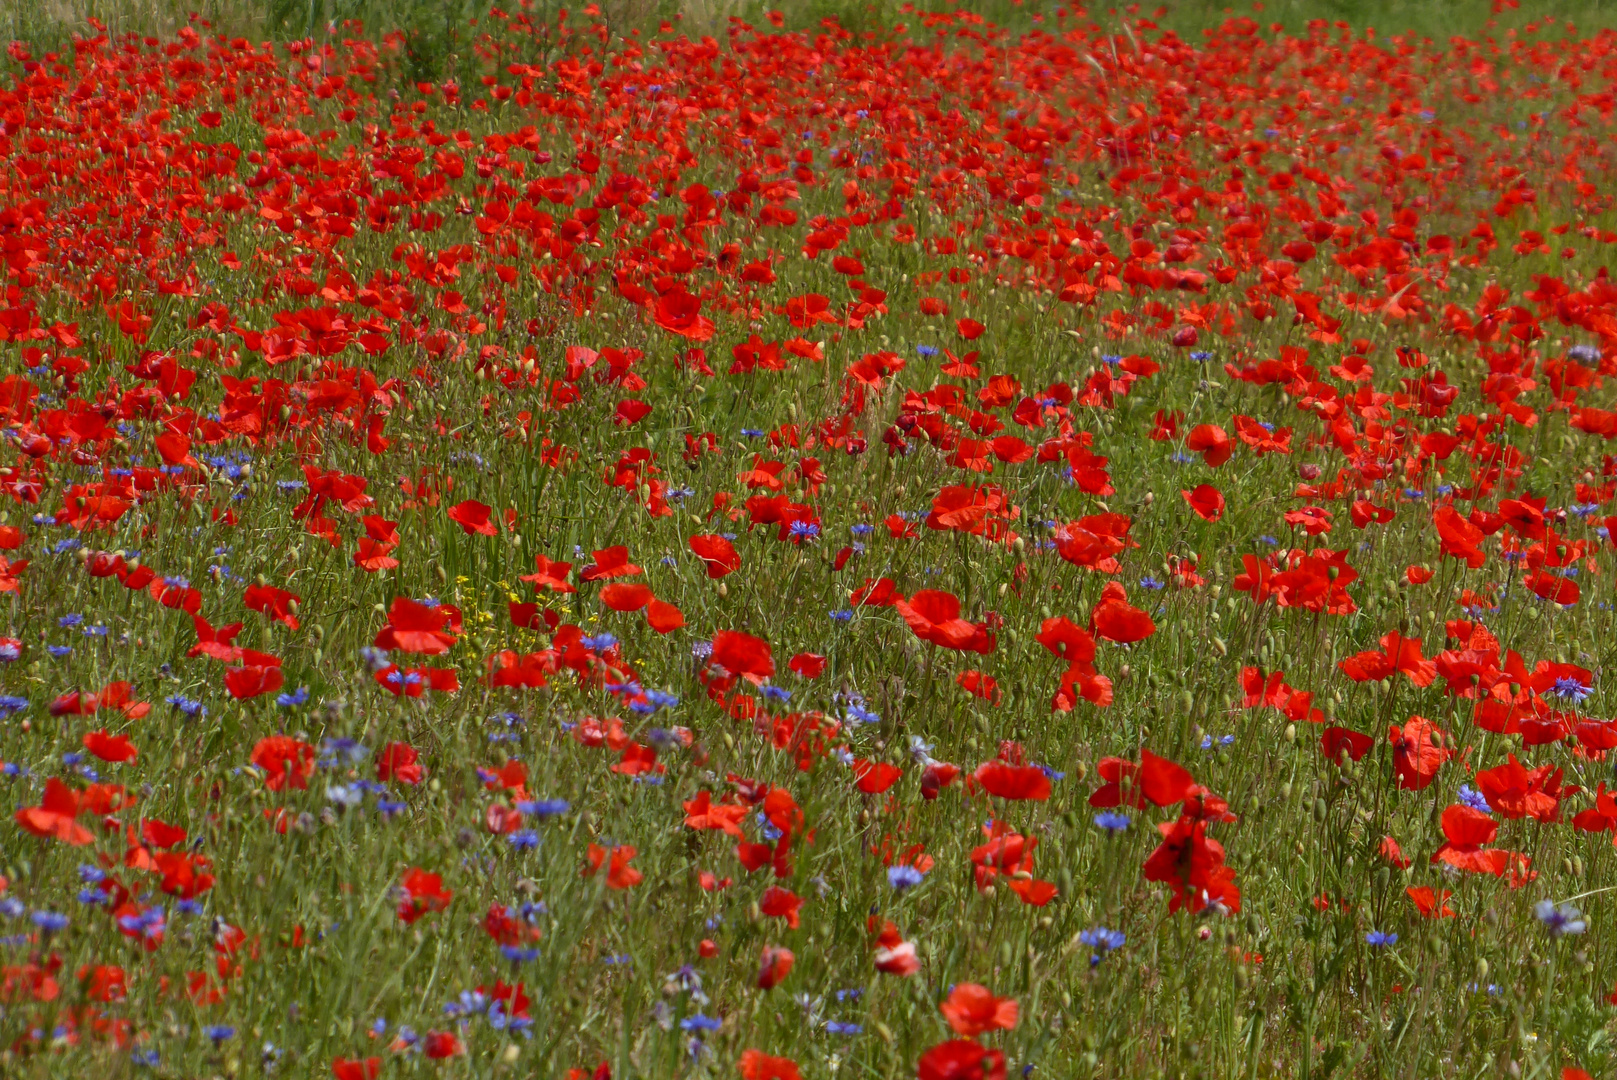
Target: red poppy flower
[
  {"x": 107, "y": 747},
  {"x": 973, "y": 1010},
  {"x": 875, "y": 777},
  {"x": 442, "y": 1044},
  {"x": 678, "y": 312},
  {"x": 1115, "y": 619},
  {"x": 1416, "y": 753},
  {"x": 934, "y": 616},
  {"x": 718, "y": 555},
  {"x": 742, "y": 655},
  {"x": 1431, "y": 904},
  {"x": 621, "y": 596},
  {"x": 277, "y": 604},
  {"x": 808, "y": 665},
  {"x": 774, "y": 966},
  {"x": 1206, "y": 500},
  {"x": 1211, "y": 442},
  {"x": 1335, "y": 740},
  {"x": 961, "y": 1059},
  {"x": 55, "y": 816},
  {"x": 979, "y": 685},
  {"x": 421, "y": 893},
  {"x": 287, "y": 762},
  {"x": 551, "y": 575},
  {"x": 1515, "y": 791},
  {"x": 756, "y": 1065},
  {"x": 612, "y": 562},
  {"x": 473, "y": 517},
  {"x": 399, "y": 761},
  {"x": 1158, "y": 779},
  {"x": 356, "y": 1069},
  {"x": 417, "y": 628},
  {"x": 779, "y": 903},
  {"x": 1015, "y": 782},
  {"x": 1552, "y": 587},
  {"x": 619, "y": 874}
]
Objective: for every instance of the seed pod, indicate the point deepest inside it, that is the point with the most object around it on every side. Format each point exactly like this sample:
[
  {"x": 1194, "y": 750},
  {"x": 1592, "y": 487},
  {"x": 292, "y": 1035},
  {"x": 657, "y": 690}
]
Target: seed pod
[{"x": 1321, "y": 811}]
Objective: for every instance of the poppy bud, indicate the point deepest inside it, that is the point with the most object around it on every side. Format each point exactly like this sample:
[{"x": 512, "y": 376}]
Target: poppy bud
[
  {"x": 1482, "y": 968},
  {"x": 1291, "y": 733},
  {"x": 1321, "y": 810}
]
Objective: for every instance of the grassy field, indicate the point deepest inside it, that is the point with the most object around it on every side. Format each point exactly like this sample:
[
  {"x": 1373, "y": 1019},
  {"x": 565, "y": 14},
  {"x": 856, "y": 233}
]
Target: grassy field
[{"x": 1054, "y": 544}]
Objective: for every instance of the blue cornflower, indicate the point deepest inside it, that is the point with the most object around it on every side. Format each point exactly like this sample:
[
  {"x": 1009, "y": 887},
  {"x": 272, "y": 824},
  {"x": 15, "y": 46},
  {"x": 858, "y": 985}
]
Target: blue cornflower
[
  {"x": 10, "y": 704},
  {"x": 186, "y": 705},
  {"x": 859, "y": 713},
  {"x": 146, "y": 1059},
  {"x": 1112, "y": 821},
  {"x": 838, "y": 1027},
  {"x": 519, "y": 955},
  {"x": 59, "y": 651},
  {"x": 524, "y": 839},
  {"x": 845, "y": 615},
  {"x": 1380, "y": 939},
  {"x": 96, "y": 631},
  {"x": 70, "y": 620},
  {"x": 862, "y": 529},
  {"x": 699, "y": 1022},
  {"x": 1570, "y": 688},
  {"x": 299, "y": 696},
  {"x": 1101, "y": 938},
  {"x": 777, "y": 693},
  {"x": 598, "y": 643},
  {"x": 1201, "y": 356},
  {"x": 1102, "y": 941},
  {"x": 1560, "y": 919},
  {"x": 1476, "y": 800},
  {"x": 49, "y": 921},
  {"x": 1149, "y": 582},
  {"x": 753, "y": 433},
  {"x": 544, "y": 808},
  {"x": 219, "y": 1033},
  {"x": 805, "y": 530},
  {"x": 926, "y": 350},
  {"x": 904, "y": 877}
]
